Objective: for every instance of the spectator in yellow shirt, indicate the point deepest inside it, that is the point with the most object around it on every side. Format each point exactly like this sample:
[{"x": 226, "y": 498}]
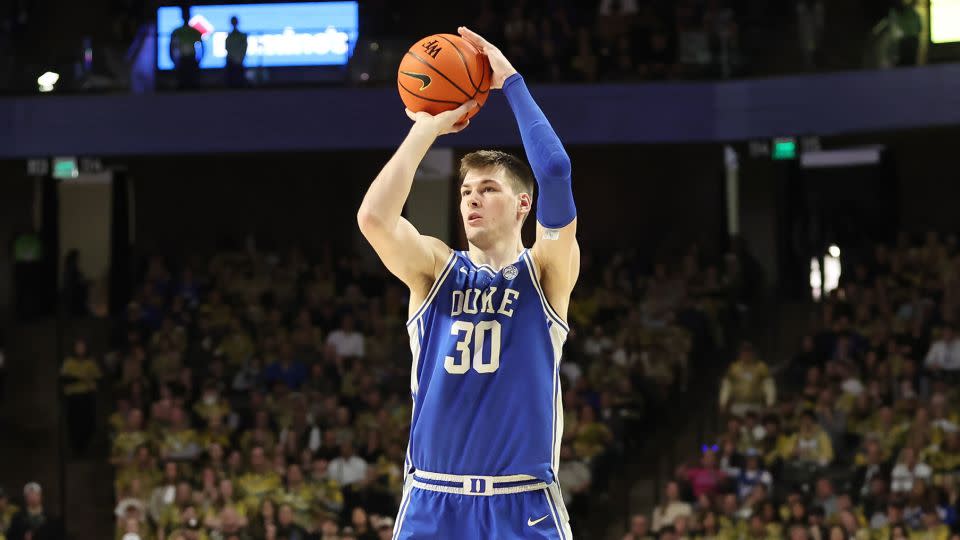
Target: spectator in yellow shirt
[
  {"x": 179, "y": 441},
  {"x": 591, "y": 437},
  {"x": 811, "y": 444},
  {"x": 211, "y": 403},
  {"x": 933, "y": 527},
  {"x": 7, "y": 511},
  {"x": 747, "y": 385},
  {"x": 237, "y": 345},
  {"x": 216, "y": 432},
  {"x": 326, "y": 491},
  {"x": 261, "y": 434},
  {"x": 143, "y": 468},
  {"x": 80, "y": 374},
  {"x": 298, "y": 495},
  {"x": 261, "y": 481},
  {"x": 127, "y": 441}
]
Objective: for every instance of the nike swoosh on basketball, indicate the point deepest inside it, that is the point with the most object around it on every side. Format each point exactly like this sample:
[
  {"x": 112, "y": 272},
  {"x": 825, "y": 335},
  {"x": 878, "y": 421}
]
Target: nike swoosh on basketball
[
  {"x": 424, "y": 79},
  {"x": 532, "y": 522}
]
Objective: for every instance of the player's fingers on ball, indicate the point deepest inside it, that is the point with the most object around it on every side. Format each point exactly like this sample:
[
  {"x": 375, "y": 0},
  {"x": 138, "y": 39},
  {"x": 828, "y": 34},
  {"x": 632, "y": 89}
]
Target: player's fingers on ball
[
  {"x": 411, "y": 115},
  {"x": 473, "y": 37},
  {"x": 460, "y": 126}
]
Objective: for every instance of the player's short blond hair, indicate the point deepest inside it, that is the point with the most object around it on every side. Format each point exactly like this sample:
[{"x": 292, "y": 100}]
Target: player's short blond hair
[{"x": 517, "y": 172}]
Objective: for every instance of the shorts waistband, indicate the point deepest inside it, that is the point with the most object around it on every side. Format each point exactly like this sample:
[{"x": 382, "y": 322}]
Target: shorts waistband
[{"x": 476, "y": 485}]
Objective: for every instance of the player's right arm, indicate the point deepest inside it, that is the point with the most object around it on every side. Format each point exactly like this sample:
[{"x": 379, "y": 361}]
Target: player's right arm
[{"x": 414, "y": 258}]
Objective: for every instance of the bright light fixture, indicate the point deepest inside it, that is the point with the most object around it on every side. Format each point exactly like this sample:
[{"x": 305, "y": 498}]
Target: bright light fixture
[{"x": 46, "y": 81}]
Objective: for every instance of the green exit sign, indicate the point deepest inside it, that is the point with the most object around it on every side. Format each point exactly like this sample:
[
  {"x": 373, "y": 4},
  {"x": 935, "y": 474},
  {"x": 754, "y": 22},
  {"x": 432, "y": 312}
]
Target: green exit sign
[
  {"x": 784, "y": 148},
  {"x": 65, "y": 168}
]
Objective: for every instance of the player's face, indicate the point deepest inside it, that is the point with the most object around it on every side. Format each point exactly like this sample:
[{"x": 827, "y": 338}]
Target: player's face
[{"x": 489, "y": 206}]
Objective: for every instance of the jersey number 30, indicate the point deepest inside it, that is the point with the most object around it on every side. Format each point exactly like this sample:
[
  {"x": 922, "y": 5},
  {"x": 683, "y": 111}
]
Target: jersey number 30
[{"x": 469, "y": 334}]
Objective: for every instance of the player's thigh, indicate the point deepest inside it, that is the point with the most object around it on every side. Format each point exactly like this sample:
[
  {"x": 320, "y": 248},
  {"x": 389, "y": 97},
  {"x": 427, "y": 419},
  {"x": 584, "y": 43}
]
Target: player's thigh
[
  {"x": 544, "y": 516},
  {"x": 429, "y": 514}
]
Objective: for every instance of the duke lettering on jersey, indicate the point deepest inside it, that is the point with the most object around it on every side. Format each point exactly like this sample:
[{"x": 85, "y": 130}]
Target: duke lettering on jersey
[
  {"x": 486, "y": 384},
  {"x": 474, "y": 301}
]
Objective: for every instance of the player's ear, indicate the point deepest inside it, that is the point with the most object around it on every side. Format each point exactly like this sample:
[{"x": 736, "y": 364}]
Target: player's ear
[{"x": 524, "y": 203}]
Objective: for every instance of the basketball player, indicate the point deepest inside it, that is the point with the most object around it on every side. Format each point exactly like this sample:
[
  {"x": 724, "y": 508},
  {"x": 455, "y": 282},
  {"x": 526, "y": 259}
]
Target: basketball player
[{"x": 486, "y": 328}]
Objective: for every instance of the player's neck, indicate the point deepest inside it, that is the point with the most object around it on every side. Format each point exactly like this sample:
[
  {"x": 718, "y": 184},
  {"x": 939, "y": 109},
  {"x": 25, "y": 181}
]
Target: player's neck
[{"x": 498, "y": 255}]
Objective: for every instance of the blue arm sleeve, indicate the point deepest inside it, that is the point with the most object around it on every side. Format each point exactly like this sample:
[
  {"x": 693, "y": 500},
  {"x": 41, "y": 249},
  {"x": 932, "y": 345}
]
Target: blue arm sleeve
[{"x": 548, "y": 159}]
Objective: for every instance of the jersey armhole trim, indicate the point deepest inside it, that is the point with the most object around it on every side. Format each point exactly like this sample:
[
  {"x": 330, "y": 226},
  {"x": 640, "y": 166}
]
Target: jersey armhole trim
[
  {"x": 534, "y": 275},
  {"x": 435, "y": 288}
]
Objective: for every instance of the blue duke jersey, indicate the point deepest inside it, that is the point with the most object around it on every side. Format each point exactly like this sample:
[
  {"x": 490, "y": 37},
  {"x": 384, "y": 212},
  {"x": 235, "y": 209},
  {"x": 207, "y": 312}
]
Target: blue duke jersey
[{"x": 486, "y": 389}]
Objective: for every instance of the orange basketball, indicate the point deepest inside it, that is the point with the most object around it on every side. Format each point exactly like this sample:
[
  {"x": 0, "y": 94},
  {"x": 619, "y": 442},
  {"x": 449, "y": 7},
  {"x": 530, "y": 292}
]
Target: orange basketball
[{"x": 441, "y": 72}]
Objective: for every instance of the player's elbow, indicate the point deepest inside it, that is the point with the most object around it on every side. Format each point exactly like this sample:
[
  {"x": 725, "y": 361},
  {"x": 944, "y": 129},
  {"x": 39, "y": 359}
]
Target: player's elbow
[
  {"x": 369, "y": 222},
  {"x": 557, "y": 166}
]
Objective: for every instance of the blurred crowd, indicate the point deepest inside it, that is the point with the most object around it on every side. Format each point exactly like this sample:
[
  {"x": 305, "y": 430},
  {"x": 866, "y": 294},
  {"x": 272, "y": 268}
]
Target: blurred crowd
[
  {"x": 257, "y": 396},
  {"x": 861, "y": 437}
]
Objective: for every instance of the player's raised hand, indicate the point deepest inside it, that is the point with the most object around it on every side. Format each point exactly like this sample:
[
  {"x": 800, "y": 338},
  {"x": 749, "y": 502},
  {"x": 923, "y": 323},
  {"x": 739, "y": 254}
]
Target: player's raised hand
[
  {"x": 445, "y": 122},
  {"x": 498, "y": 62}
]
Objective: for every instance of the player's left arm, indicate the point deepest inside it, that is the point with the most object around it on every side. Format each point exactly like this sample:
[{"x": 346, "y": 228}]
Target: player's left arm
[{"x": 555, "y": 250}]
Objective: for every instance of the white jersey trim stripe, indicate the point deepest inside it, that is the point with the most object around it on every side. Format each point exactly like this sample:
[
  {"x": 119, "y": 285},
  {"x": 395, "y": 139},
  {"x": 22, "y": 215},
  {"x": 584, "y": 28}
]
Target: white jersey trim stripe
[
  {"x": 402, "y": 513},
  {"x": 543, "y": 298},
  {"x": 461, "y": 477},
  {"x": 486, "y": 267},
  {"x": 563, "y": 518},
  {"x": 436, "y": 287},
  {"x": 493, "y": 491},
  {"x": 553, "y": 513},
  {"x": 557, "y": 423}
]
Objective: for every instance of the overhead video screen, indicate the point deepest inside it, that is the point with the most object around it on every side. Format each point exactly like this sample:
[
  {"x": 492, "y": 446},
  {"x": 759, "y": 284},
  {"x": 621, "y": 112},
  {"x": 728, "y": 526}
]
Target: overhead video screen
[{"x": 278, "y": 35}]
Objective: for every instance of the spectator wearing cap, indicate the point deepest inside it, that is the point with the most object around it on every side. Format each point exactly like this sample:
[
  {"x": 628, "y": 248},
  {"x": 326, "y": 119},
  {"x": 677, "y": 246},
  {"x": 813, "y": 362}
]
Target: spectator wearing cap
[
  {"x": 7, "y": 511},
  {"x": 670, "y": 508},
  {"x": 33, "y": 522},
  {"x": 747, "y": 385}
]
